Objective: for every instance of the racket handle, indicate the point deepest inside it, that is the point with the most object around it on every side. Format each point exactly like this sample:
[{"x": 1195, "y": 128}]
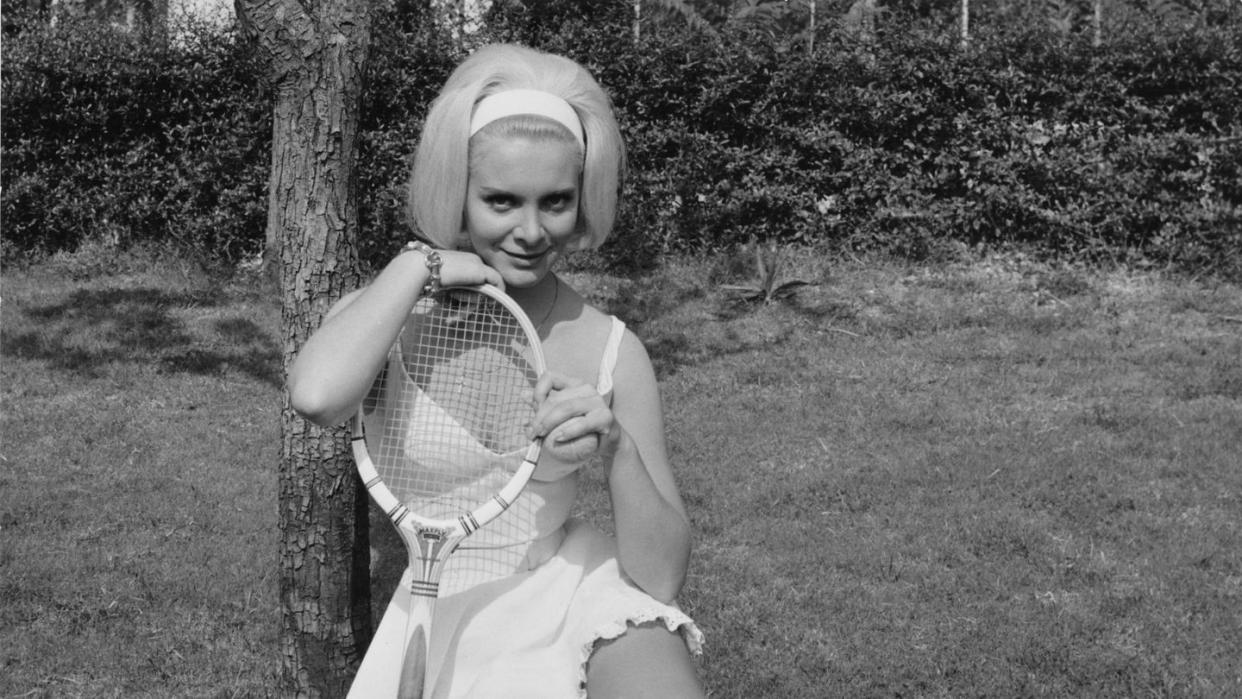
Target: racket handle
[{"x": 414, "y": 666}]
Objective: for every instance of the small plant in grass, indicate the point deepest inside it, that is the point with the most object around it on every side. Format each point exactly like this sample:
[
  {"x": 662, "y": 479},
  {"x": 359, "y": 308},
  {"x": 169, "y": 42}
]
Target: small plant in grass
[{"x": 767, "y": 269}]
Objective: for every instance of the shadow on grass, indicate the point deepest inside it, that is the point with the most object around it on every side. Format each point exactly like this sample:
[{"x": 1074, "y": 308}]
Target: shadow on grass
[{"x": 95, "y": 328}]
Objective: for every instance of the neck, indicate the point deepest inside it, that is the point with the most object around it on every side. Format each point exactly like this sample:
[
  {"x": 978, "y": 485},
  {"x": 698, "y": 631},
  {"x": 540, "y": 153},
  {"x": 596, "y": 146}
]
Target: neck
[{"x": 539, "y": 300}]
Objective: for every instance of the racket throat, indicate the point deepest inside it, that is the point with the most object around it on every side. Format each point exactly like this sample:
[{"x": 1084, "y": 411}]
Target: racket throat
[{"x": 434, "y": 546}]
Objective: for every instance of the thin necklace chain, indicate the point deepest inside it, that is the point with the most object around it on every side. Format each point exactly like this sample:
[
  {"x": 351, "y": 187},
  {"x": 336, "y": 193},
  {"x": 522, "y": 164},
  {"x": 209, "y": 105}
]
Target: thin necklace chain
[{"x": 556, "y": 294}]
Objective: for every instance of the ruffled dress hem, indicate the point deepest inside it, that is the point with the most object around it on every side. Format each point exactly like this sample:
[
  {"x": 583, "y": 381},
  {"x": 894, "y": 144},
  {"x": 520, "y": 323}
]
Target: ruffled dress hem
[{"x": 672, "y": 620}]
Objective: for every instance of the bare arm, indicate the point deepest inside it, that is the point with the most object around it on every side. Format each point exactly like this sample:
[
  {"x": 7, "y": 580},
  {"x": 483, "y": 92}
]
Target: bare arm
[
  {"x": 653, "y": 531},
  {"x": 336, "y": 367}
]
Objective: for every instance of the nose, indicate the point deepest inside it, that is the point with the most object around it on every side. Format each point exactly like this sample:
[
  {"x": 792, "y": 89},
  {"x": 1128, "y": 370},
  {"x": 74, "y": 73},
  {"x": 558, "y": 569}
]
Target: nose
[{"x": 530, "y": 229}]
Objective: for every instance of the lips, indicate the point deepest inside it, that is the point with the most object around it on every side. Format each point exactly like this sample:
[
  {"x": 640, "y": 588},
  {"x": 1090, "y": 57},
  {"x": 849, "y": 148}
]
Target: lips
[{"x": 526, "y": 256}]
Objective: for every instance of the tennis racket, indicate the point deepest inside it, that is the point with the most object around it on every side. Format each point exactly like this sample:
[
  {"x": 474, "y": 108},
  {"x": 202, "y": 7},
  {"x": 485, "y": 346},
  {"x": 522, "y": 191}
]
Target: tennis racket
[{"x": 441, "y": 442}]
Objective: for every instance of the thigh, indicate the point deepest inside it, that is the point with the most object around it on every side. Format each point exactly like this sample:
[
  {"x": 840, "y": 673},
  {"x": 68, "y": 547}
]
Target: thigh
[{"x": 645, "y": 661}]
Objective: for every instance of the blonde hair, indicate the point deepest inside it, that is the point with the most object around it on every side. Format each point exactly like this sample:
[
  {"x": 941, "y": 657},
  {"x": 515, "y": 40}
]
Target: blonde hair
[{"x": 437, "y": 189}]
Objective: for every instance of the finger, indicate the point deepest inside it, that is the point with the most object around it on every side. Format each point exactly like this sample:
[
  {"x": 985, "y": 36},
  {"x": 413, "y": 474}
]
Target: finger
[
  {"x": 483, "y": 273},
  {"x": 467, "y": 269},
  {"x": 554, "y": 382},
  {"x": 491, "y": 276},
  {"x": 570, "y": 430},
  {"x": 543, "y": 385},
  {"x": 553, "y": 416},
  {"x": 568, "y": 421},
  {"x": 575, "y": 450}
]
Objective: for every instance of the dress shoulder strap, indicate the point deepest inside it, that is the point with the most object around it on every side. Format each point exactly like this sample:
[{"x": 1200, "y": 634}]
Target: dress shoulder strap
[{"x": 608, "y": 363}]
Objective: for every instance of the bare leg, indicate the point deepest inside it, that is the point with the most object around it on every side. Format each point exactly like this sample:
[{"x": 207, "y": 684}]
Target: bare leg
[{"x": 646, "y": 662}]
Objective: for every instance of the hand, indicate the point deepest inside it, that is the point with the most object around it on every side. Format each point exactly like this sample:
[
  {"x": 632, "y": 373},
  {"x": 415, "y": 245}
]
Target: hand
[
  {"x": 460, "y": 268},
  {"x": 573, "y": 419}
]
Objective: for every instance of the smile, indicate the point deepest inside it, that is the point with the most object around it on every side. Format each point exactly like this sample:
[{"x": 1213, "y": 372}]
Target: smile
[{"x": 527, "y": 256}]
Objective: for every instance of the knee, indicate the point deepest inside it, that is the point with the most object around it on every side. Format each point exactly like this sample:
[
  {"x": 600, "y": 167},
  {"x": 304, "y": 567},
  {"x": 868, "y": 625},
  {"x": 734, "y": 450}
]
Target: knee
[{"x": 646, "y": 661}]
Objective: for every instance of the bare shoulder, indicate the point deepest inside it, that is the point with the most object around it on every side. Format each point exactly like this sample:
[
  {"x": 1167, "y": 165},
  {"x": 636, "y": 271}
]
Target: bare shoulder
[
  {"x": 634, "y": 370},
  {"x": 576, "y": 339}
]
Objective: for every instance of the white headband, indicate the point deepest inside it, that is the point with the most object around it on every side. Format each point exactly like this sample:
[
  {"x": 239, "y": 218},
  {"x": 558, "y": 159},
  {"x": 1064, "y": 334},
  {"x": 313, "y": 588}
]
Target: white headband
[{"x": 536, "y": 102}]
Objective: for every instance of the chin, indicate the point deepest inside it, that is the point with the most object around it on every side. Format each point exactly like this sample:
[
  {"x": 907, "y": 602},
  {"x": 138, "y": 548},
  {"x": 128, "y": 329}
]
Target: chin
[
  {"x": 523, "y": 278},
  {"x": 523, "y": 275}
]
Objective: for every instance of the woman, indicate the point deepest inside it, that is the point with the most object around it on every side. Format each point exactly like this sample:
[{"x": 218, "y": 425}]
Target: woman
[{"x": 519, "y": 164}]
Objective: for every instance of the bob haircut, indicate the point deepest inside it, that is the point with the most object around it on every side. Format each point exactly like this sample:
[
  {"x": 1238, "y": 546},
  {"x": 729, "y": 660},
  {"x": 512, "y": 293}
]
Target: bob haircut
[{"x": 436, "y": 197}]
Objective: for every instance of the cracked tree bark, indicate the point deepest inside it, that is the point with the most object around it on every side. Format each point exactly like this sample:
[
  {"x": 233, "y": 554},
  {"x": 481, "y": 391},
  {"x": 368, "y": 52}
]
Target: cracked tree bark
[{"x": 317, "y": 52}]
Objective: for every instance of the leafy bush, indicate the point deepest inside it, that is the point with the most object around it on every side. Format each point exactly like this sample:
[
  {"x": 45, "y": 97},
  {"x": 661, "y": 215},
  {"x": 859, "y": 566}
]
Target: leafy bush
[
  {"x": 407, "y": 67},
  {"x": 905, "y": 142},
  {"x": 909, "y": 142},
  {"x": 110, "y": 137}
]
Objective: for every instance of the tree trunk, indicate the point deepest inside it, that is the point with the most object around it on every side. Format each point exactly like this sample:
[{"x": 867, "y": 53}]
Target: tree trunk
[
  {"x": 810, "y": 29},
  {"x": 965, "y": 24},
  {"x": 1097, "y": 23},
  {"x": 317, "y": 57}
]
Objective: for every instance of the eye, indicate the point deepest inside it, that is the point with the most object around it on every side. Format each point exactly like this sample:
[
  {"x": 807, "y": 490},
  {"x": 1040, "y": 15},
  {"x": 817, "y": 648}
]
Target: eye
[
  {"x": 559, "y": 202},
  {"x": 499, "y": 202}
]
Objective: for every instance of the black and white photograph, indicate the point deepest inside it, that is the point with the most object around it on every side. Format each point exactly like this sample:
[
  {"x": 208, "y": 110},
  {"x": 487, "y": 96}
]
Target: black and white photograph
[{"x": 620, "y": 349}]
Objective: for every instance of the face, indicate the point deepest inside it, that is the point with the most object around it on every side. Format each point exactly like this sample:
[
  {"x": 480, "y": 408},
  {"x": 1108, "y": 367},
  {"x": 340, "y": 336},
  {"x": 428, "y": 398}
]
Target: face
[{"x": 522, "y": 205}]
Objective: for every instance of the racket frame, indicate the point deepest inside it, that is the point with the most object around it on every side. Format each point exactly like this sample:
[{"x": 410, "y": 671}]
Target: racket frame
[{"x": 429, "y": 542}]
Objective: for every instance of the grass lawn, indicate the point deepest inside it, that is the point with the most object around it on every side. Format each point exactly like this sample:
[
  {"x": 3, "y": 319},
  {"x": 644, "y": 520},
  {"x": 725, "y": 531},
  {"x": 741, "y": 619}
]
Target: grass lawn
[{"x": 992, "y": 478}]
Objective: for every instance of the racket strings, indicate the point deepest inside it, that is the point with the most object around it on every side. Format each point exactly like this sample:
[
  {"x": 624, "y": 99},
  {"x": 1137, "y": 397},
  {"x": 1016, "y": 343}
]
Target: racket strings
[
  {"x": 498, "y": 550},
  {"x": 455, "y": 418}
]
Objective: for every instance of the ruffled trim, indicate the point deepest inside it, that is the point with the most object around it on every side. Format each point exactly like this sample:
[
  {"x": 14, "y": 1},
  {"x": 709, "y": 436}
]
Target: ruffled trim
[{"x": 672, "y": 619}]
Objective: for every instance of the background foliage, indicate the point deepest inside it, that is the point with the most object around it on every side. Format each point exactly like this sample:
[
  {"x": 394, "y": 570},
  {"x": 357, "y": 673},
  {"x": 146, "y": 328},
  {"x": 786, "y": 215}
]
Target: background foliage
[
  {"x": 900, "y": 140},
  {"x": 110, "y": 137}
]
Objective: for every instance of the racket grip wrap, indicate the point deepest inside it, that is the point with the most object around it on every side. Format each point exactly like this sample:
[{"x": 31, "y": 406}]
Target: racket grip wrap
[
  {"x": 433, "y": 261},
  {"x": 423, "y": 588}
]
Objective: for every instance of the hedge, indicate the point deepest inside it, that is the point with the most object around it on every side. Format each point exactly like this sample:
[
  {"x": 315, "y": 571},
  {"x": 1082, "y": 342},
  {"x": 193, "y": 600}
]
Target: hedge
[
  {"x": 108, "y": 137},
  {"x": 903, "y": 143}
]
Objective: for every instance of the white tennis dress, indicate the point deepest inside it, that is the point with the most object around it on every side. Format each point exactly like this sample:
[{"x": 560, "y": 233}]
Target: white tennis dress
[{"x": 528, "y": 629}]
